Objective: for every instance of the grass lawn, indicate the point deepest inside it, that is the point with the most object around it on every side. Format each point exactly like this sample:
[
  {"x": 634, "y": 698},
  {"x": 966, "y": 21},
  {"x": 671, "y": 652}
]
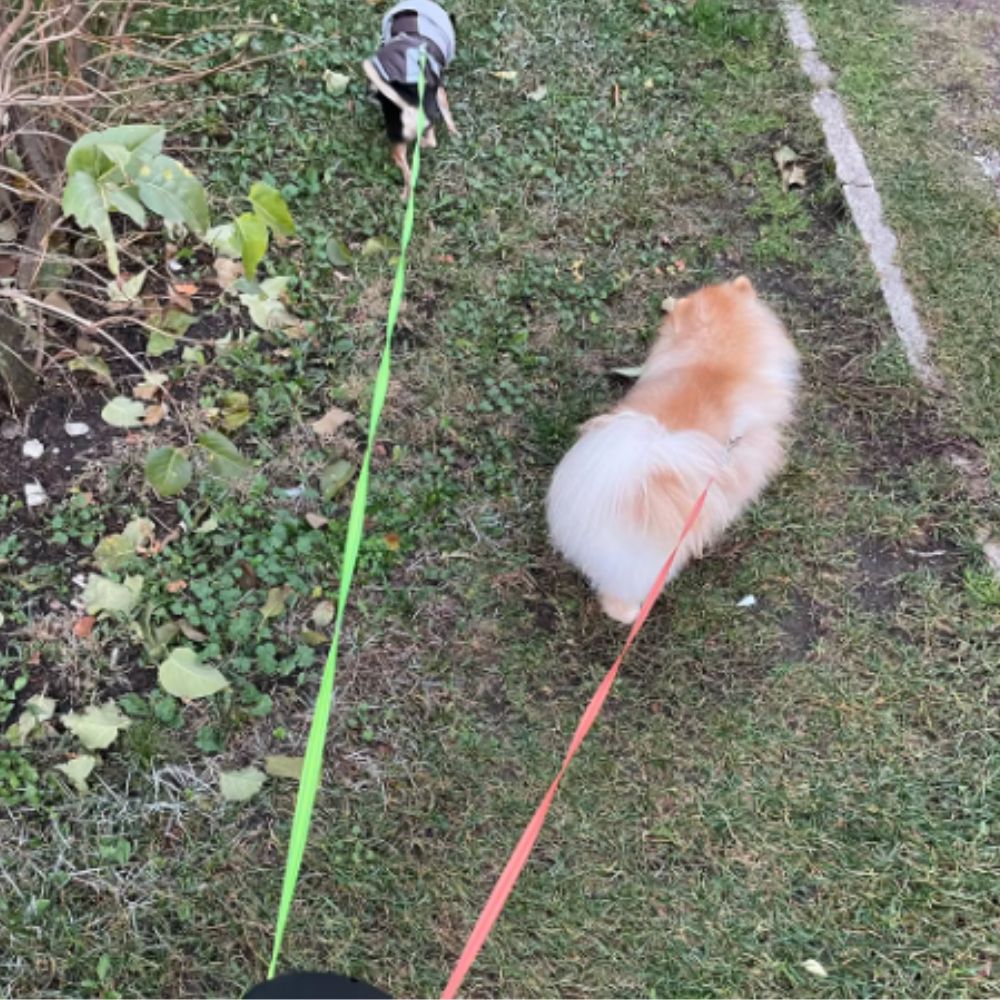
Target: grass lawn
[{"x": 811, "y": 778}]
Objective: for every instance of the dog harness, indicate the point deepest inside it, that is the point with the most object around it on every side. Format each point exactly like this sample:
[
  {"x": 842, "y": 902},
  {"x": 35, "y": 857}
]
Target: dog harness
[{"x": 406, "y": 29}]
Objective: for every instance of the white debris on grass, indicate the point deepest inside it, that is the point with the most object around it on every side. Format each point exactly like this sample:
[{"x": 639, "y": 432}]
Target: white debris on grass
[{"x": 35, "y": 495}]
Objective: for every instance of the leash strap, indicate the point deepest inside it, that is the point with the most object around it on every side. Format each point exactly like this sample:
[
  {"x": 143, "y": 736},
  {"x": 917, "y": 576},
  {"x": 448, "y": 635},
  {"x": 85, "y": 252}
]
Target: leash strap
[
  {"x": 509, "y": 876},
  {"x": 312, "y": 765}
]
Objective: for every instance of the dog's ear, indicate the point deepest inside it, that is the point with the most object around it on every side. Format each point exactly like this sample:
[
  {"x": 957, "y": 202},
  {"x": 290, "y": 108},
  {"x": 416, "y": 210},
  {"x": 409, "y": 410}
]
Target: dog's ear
[{"x": 743, "y": 284}]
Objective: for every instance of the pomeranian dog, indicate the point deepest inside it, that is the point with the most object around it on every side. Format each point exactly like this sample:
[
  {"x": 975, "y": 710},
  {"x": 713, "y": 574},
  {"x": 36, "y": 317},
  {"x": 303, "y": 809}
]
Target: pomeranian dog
[
  {"x": 711, "y": 405},
  {"x": 409, "y": 29}
]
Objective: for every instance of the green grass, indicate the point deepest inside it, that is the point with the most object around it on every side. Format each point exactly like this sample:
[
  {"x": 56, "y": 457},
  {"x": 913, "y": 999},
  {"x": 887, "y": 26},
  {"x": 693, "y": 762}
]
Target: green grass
[
  {"x": 814, "y": 778},
  {"x": 918, "y": 93}
]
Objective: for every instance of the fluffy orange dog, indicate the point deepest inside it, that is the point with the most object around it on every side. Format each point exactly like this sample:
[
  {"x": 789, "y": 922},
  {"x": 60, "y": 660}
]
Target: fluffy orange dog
[{"x": 712, "y": 402}]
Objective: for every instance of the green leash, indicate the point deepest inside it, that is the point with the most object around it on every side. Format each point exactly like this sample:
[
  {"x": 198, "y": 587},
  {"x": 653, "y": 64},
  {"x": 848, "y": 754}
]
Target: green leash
[{"x": 312, "y": 766}]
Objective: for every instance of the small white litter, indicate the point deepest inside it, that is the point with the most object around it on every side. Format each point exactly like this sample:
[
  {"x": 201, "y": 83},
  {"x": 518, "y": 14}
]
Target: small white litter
[
  {"x": 35, "y": 495},
  {"x": 747, "y": 602},
  {"x": 75, "y": 430},
  {"x": 33, "y": 448},
  {"x": 815, "y": 968}
]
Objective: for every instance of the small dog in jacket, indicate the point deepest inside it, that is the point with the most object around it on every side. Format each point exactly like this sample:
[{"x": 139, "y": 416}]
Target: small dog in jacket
[{"x": 409, "y": 28}]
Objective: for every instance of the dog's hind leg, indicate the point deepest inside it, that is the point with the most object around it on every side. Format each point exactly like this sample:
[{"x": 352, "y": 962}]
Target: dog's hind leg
[{"x": 399, "y": 158}]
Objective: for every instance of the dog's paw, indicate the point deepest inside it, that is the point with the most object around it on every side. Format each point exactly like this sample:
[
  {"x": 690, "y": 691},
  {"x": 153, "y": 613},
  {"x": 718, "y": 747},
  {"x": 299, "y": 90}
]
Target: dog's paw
[{"x": 619, "y": 610}]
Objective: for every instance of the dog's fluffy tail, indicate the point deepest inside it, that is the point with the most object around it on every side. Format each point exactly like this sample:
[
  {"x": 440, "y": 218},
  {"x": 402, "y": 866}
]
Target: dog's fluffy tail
[{"x": 623, "y": 487}]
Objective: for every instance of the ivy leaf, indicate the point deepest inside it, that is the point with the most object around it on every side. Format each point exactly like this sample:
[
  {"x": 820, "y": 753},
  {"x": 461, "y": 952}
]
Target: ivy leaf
[
  {"x": 101, "y": 594},
  {"x": 238, "y": 786},
  {"x": 182, "y": 675},
  {"x": 168, "y": 471},
  {"x": 78, "y": 770},
  {"x": 226, "y": 461},
  {"x": 253, "y": 241},
  {"x": 123, "y": 412},
  {"x": 271, "y": 208},
  {"x": 97, "y": 727}
]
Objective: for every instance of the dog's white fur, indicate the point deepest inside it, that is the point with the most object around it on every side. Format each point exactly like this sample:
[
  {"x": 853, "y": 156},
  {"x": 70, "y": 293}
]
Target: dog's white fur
[{"x": 711, "y": 405}]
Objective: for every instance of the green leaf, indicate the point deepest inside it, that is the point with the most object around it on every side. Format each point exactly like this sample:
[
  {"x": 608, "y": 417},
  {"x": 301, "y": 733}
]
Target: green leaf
[
  {"x": 338, "y": 252},
  {"x": 127, "y": 291},
  {"x": 193, "y": 355},
  {"x": 253, "y": 240},
  {"x": 97, "y": 367},
  {"x": 146, "y": 140},
  {"x": 335, "y": 83},
  {"x": 123, "y": 412},
  {"x": 85, "y": 200},
  {"x": 41, "y": 708},
  {"x": 335, "y": 477},
  {"x": 98, "y": 727},
  {"x": 124, "y": 200},
  {"x": 168, "y": 471},
  {"x": 226, "y": 461},
  {"x": 274, "y": 606},
  {"x": 225, "y": 240},
  {"x": 238, "y": 786},
  {"x": 78, "y": 770},
  {"x": 183, "y": 676},
  {"x": 101, "y": 594},
  {"x": 159, "y": 343},
  {"x": 177, "y": 322},
  {"x": 279, "y": 766},
  {"x": 37, "y": 709},
  {"x": 209, "y": 739},
  {"x": 235, "y": 410},
  {"x": 115, "y": 551},
  {"x": 135, "y": 705},
  {"x": 271, "y": 208},
  {"x": 377, "y": 244},
  {"x": 173, "y": 192}
]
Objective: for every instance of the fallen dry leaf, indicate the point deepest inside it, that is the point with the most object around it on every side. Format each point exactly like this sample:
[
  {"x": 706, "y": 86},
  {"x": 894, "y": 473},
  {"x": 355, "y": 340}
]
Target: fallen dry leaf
[
  {"x": 176, "y": 586},
  {"x": 190, "y": 632},
  {"x": 179, "y": 299},
  {"x": 316, "y": 520},
  {"x": 227, "y": 272},
  {"x": 186, "y": 288},
  {"x": 331, "y": 421},
  {"x": 82, "y": 627},
  {"x": 154, "y": 414}
]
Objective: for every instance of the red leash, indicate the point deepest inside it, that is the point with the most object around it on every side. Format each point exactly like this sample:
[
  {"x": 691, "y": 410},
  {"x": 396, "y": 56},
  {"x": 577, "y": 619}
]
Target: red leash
[{"x": 509, "y": 876}]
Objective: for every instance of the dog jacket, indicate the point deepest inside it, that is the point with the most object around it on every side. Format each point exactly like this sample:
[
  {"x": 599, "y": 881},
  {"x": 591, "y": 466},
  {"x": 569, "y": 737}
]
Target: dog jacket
[{"x": 429, "y": 28}]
